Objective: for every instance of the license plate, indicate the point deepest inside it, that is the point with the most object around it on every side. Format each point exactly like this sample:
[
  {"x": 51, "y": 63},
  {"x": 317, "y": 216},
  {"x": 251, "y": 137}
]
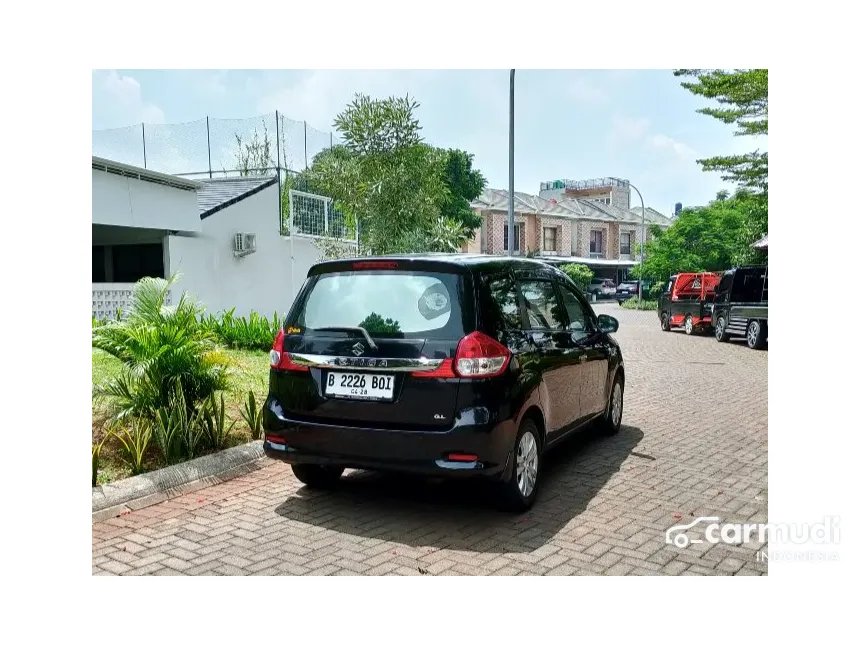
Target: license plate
[{"x": 354, "y": 385}]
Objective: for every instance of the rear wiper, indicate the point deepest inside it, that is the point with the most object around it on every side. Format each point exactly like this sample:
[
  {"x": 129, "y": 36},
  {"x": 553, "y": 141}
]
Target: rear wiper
[{"x": 360, "y": 330}]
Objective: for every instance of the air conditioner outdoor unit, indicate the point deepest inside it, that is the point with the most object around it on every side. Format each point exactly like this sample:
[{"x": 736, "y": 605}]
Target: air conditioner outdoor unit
[{"x": 244, "y": 244}]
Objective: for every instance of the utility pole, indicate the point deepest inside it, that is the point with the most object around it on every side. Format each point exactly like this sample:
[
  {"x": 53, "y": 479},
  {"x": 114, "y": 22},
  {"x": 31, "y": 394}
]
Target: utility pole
[
  {"x": 642, "y": 247},
  {"x": 511, "y": 228}
]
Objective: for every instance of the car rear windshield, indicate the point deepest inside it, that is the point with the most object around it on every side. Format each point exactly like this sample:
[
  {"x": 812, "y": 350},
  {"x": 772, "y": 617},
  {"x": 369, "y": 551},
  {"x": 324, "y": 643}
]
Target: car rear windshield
[{"x": 388, "y": 304}]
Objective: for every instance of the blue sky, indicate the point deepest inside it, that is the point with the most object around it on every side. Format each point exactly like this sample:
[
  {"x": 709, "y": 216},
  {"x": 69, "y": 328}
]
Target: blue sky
[{"x": 638, "y": 125}]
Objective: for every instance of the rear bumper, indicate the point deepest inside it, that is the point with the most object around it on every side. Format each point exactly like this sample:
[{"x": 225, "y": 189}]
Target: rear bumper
[{"x": 408, "y": 451}]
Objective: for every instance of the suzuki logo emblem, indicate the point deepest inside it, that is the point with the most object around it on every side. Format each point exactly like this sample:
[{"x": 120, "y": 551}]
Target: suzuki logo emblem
[{"x": 358, "y": 349}]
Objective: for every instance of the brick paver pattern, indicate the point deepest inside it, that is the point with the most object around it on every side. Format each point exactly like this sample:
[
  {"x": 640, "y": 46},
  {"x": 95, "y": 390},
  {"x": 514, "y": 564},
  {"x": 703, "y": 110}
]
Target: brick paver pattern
[{"x": 693, "y": 444}]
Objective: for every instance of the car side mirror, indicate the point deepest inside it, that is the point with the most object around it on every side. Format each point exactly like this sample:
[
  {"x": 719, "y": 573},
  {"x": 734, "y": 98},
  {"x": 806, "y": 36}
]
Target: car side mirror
[{"x": 607, "y": 324}]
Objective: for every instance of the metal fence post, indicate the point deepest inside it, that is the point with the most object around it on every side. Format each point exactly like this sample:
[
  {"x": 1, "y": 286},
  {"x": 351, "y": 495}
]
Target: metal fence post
[
  {"x": 306, "y": 144},
  {"x": 208, "y": 147},
  {"x": 278, "y": 170},
  {"x": 327, "y": 212},
  {"x": 143, "y": 138}
]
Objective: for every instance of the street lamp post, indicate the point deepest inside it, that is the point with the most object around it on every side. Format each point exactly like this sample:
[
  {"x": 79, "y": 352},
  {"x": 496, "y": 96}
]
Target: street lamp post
[
  {"x": 511, "y": 173},
  {"x": 642, "y": 247}
]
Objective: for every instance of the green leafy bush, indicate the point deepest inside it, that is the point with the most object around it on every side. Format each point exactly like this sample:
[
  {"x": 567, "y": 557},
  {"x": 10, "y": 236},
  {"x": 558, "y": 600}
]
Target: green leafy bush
[
  {"x": 580, "y": 274},
  {"x": 133, "y": 438},
  {"x": 214, "y": 420},
  {"x": 97, "y": 452},
  {"x": 634, "y": 303},
  {"x": 178, "y": 431},
  {"x": 160, "y": 346},
  {"x": 653, "y": 291},
  {"x": 253, "y": 416},
  {"x": 255, "y": 332}
]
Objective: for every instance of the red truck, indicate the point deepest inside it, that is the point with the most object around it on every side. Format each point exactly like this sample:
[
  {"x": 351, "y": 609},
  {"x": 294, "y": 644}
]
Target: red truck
[{"x": 688, "y": 301}]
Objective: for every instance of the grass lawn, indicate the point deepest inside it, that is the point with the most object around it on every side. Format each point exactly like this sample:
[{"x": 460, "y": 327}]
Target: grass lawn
[{"x": 251, "y": 373}]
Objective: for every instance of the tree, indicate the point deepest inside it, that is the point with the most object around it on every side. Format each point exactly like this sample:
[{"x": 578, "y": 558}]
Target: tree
[
  {"x": 387, "y": 182},
  {"x": 706, "y": 238},
  {"x": 742, "y": 95},
  {"x": 465, "y": 184},
  {"x": 377, "y": 325},
  {"x": 580, "y": 274}
]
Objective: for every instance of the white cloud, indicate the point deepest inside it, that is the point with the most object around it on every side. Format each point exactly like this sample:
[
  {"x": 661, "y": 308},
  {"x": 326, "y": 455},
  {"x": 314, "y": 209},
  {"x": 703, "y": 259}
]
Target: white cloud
[
  {"x": 626, "y": 130},
  {"x": 662, "y": 142},
  {"x": 124, "y": 99}
]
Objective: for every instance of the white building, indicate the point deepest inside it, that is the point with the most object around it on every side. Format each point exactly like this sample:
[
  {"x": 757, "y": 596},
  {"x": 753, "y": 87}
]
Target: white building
[{"x": 147, "y": 223}]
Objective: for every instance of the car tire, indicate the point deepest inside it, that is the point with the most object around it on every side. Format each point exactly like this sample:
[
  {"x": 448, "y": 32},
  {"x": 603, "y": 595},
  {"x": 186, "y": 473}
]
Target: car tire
[
  {"x": 756, "y": 334},
  {"x": 610, "y": 423},
  {"x": 720, "y": 330},
  {"x": 316, "y": 476},
  {"x": 664, "y": 322},
  {"x": 519, "y": 493},
  {"x": 689, "y": 327}
]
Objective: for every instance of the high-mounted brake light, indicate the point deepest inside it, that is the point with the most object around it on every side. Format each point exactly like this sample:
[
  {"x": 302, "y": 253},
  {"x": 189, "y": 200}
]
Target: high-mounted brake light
[
  {"x": 279, "y": 359},
  {"x": 479, "y": 356},
  {"x": 374, "y": 265}
]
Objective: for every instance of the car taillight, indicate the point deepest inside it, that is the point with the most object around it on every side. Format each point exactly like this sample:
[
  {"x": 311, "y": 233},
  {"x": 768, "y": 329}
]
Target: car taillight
[
  {"x": 279, "y": 359},
  {"x": 445, "y": 370},
  {"x": 480, "y": 356}
]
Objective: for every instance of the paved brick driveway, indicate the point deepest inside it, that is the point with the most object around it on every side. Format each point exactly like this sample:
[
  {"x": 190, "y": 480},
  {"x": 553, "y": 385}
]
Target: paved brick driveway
[{"x": 694, "y": 443}]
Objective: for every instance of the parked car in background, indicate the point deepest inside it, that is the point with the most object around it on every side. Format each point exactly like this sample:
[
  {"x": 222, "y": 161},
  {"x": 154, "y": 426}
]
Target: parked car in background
[
  {"x": 740, "y": 306},
  {"x": 687, "y": 301},
  {"x": 626, "y": 290},
  {"x": 601, "y": 288},
  {"x": 442, "y": 365}
]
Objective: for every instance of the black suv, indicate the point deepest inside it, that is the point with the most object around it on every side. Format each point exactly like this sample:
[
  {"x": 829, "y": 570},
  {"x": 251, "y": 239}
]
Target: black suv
[
  {"x": 740, "y": 306},
  {"x": 445, "y": 365}
]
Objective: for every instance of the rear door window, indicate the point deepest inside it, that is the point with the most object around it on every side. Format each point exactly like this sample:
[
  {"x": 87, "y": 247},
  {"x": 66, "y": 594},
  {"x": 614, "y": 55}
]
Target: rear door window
[
  {"x": 543, "y": 308},
  {"x": 502, "y": 308},
  {"x": 390, "y": 304}
]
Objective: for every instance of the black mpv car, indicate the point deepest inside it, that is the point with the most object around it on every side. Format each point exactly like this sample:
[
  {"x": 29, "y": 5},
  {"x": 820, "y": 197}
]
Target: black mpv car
[{"x": 446, "y": 365}]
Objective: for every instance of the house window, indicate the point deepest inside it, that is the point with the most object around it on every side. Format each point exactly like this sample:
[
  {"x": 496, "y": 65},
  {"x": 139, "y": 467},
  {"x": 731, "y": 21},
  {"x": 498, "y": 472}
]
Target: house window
[
  {"x": 99, "y": 274},
  {"x": 132, "y": 262},
  {"x": 596, "y": 244},
  {"x": 626, "y": 243},
  {"x": 517, "y": 230},
  {"x": 549, "y": 238}
]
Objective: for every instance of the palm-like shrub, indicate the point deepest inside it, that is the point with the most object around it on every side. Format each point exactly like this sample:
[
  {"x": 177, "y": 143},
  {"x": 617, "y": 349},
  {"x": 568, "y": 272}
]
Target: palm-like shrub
[{"x": 162, "y": 347}]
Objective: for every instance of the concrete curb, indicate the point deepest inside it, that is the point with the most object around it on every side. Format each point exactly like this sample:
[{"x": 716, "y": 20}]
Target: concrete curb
[{"x": 145, "y": 490}]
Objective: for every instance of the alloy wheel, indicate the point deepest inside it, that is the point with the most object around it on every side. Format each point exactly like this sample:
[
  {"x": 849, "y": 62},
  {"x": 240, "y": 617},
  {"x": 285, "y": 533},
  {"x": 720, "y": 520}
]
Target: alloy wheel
[
  {"x": 752, "y": 334},
  {"x": 617, "y": 403},
  {"x": 527, "y": 463}
]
